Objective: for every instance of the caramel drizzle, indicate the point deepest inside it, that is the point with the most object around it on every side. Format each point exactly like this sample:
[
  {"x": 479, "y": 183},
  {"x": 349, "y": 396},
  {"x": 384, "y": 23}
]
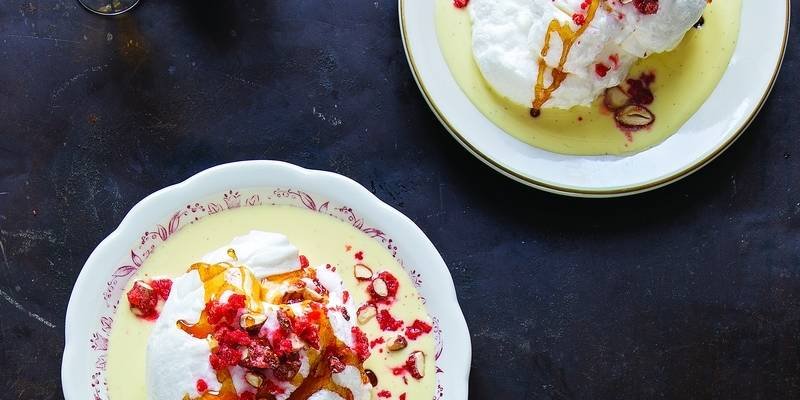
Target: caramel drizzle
[
  {"x": 215, "y": 283},
  {"x": 568, "y": 39},
  {"x": 226, "y": 392},
  {"x": 319, "y": 377}
]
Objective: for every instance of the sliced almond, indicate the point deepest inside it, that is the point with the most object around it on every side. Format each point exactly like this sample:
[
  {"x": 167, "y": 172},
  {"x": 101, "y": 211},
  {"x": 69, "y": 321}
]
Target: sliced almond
[
  {"x": 397, "y": 343},
  {"x": 143, "y": 284},
  {"x": 252, "y": 321},
  {"x": 365, "y": 313},
  {"x": 379, "y": 287},
  {"x": 634, "y": 116},
  {"x": 253, "y": 379},
  {"x": 301, "y": 292},
  {"x": 362, "y": 272},
  {"x": 373, "y": 379},
  {"x": 416, "y": 364},
  {"x": 615, "y": 98}
]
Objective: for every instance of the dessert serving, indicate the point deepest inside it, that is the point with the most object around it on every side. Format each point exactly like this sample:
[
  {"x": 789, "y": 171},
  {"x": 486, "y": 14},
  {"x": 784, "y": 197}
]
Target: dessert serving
[
  {"x": 588, "y": 77},
  {"x": 271, "y": 302}
]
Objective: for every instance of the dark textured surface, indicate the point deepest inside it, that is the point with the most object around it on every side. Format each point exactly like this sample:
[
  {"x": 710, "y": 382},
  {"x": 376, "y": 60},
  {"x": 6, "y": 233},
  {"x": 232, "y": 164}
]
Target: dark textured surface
[{"x": 692, "y": 291}]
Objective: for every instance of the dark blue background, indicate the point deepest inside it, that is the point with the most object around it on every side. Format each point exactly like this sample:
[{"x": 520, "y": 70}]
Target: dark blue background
[{"x": 692, "y": 291}]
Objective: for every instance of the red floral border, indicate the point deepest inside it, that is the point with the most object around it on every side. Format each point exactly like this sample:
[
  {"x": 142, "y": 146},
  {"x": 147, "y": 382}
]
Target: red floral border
[{"x": 150, "y": 240}]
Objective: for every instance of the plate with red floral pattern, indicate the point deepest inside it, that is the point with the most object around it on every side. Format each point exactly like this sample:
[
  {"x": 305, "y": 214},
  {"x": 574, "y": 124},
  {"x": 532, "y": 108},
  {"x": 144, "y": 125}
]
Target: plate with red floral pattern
[{"x": 155, "y": 220}]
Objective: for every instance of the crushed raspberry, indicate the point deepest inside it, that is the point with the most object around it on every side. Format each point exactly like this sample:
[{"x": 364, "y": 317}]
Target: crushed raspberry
[
  {"x": 316, "y": 312},
  {"x": 359, "y": 255},
  {"x": 224, "y": 312},
  {"x": 303, "y": 261},
  {"x": 361, "y": 343},
  {"x": 376, "y": 342},
  {"x": 646, "y": 7},
  {"x": 402, "y": 396},
  {"x": 284, "y": 346},
  {"x": 345, "y": 296},
  {"x": 460, "y": 3},
  {"x": 237, "y": 301},
  {"x": 223, "y": 356},
  {"x": 417, "y": 329},
  {"x": 247, "y": 396},
  {"x": 397, "y": 371},
  {"x": 601, "y": 70},
  {"x": 202, "y": 386},
  {"x": 260, "y": 356},
  {"x": 578, "y": 19},
  {"x": 392, "y": 285},
  {"x": 281, "y": 343},
  {"x": 409, "y": 365},
  {"x": 387, "y": 322},
  {"x": 232, "y": 337},
  {"x": 219, "y": 312},
  {"x": 215, "y": 311},
  {"x": 307, "y": 328},
  {"x": 336, "y": 364},
  {"x": 273, "y": 388},
  {"x": 143, "y": 300},
  {"x": 586, "y": 4},
  {"x": 639, "y": 89},
  {"x": 162, "y": 287},
  {"x": 385, "y": 394}
]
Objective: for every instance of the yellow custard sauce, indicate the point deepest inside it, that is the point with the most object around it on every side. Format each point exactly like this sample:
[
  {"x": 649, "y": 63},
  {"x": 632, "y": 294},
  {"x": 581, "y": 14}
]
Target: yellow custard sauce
[
  {"x": 324, "y": 240},
  {"x": 685, "y": 77}
]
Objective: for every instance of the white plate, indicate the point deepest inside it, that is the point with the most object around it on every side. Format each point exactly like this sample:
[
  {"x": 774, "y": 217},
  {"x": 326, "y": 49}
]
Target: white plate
[
  {"x": 724, "y": 116},
  {"x": 91, "y": 310}
]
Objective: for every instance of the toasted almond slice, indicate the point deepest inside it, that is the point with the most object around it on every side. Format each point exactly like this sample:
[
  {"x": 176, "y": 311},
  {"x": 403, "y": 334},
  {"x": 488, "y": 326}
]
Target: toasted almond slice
[
  {"x": 373, "y": 379},
  {"x": 365, "y": 313},
  {"x": 379, "y": 287},
  {"x": 416, "y": 364},
  {"x": 362, "y": 272},
  {"x": 252, "y": 321},
  {"x": 634, "y": 116},
  {"x": 253, "y": 379},
  {"x": 615, "y": 98},
  {"x": 397, "y": 343},
  {"x": 143, "y": 284}
]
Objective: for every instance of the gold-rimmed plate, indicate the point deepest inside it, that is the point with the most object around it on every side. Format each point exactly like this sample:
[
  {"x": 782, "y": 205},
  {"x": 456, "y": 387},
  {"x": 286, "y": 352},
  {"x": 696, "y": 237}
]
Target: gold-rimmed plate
[{"x": 725, "y": 115}]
